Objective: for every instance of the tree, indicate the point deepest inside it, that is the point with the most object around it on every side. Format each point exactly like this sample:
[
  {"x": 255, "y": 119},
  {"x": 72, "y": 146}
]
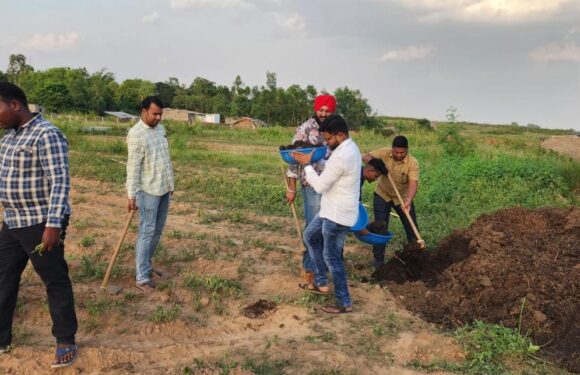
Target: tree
[
  {"x": 55, "y": 97},
  {"x": 165, "y": 92},
  {"x": 17, "y": 67},
  {"x": 353, "y": 107},
  {"x": 131, "y": 92},
  {"x": 3, "y": 76},
  {"x": 101, "y": 90}
]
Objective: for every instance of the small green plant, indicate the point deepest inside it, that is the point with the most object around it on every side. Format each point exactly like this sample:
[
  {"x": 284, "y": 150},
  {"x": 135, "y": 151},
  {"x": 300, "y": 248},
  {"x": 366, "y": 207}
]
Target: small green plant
[
  {"x": 488, "y": 345},
  {"x": 87, "y": 241},
  {"x": 165, "y": 315}
]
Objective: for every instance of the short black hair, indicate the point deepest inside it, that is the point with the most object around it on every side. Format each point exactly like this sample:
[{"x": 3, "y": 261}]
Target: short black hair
[
  {"x": 334, "y": 124},
  {"x": 146, "y": 103},
  {"x": 9, "y": 91},
  {"x": 379, "y": 165},
  {"x": 401, "y": 141}
]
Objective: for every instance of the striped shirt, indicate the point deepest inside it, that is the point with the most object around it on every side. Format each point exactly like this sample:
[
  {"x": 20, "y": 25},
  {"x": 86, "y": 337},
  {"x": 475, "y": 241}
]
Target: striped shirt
[
  {"x": 148, "y": 164},
  {"x": 34, "y": 175}
]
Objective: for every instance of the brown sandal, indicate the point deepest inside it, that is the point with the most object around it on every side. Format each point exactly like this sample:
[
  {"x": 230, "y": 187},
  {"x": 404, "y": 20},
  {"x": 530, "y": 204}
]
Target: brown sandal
[
  {"x": 313, "y": 289},
  {"x": 330, "y": 309}
]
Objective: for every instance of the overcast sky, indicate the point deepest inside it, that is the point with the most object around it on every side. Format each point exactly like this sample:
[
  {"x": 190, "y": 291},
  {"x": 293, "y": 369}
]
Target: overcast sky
[{"x": 496, "y": 61}]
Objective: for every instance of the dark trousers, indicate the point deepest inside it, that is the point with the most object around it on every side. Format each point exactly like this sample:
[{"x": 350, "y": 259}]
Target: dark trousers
[
  {"x": 382, "y": 210},
  {"x": 16, "y": 247}
]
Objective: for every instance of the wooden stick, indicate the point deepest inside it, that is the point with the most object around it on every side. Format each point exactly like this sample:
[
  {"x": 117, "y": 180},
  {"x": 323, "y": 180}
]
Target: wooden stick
[
  {"x": 116, "y": 252},
  {"x": 420, "y": 241},
  {"x": 296, "y": 222}
]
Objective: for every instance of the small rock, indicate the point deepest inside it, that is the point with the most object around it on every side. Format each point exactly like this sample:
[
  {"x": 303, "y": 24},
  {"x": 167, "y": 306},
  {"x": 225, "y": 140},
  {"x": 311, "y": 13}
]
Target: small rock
[
  {"x": 485, "y": 281},
  {"x": 539, "y": 316},
  {"x": 204, "y": 301}
]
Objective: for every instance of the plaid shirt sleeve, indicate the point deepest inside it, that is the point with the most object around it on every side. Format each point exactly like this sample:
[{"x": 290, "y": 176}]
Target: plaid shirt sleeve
[
  {"x": 53, "y": 156},
  {"x": 136, "y": 154}
]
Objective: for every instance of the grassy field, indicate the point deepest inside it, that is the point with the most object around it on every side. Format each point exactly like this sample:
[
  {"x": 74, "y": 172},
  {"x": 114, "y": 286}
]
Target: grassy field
[
  {"x": 230, "y": 242},
  {"x": 466, "y": 170}
]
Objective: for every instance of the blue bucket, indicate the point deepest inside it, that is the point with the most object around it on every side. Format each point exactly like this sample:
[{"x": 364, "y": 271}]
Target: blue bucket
[
  {"x": 374, "y": 239},
  {"x": 362, "y": 221},
  {"x": 319, "y": 153}
]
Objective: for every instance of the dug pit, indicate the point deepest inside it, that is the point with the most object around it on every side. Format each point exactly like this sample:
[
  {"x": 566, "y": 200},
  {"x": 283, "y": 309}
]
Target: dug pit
[{"x": 516, "y": 264}]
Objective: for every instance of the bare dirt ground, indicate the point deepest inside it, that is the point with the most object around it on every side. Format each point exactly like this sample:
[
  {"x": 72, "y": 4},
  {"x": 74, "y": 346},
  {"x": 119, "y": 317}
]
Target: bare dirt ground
[
  {"x": 518, "y": 267},
  {"x": 568, "y": 145},
  {"x": 230, "y": 297}
]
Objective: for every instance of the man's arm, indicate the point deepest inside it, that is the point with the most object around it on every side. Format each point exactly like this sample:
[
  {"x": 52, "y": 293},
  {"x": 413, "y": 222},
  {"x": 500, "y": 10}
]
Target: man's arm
[
  {"x": 53, "y": 156},
  {"x": 366, "y": 157},
  {"x": 136, "y": 154},
  {"x": 411, "y": 191}
]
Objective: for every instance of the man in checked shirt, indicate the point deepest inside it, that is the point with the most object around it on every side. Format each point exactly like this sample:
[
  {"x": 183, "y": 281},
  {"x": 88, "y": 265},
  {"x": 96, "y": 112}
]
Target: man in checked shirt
[
  {"x": 34, "y": 188},
  {"x": 149, "y": 186}
]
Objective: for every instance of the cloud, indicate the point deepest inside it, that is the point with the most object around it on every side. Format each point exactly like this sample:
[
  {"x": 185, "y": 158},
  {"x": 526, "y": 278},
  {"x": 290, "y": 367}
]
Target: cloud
[
  {"x": 150, "y": 18},
  {"x": 292, "y": 22},
  {"x": 186, "y": 4},
  {"x": 408, "y": 53},
  {"x": 564, "y": 51},
  {"x": 490, "y": 11},
  {"x": 52, "y": 42}
]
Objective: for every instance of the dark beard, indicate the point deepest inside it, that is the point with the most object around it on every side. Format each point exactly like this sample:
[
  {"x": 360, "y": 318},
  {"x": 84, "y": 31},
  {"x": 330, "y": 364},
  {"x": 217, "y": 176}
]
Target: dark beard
[{"x": 318, "y": 121}]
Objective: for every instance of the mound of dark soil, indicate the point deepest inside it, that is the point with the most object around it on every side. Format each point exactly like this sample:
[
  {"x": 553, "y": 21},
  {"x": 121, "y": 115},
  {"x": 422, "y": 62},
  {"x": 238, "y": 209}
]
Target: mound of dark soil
[
  {"x": 487, "y": 272},
  {"x": 259, "y": 309}
]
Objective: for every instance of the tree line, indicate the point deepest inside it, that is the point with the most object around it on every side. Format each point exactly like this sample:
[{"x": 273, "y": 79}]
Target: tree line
[{"x": 64, "y": 89}]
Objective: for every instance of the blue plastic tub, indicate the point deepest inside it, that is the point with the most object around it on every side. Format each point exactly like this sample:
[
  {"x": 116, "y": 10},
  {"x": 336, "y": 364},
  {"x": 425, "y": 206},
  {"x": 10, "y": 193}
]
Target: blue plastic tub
[
  {"x": 319, "y": 153},
  {"x": 362, "y": 221},
  {"x": 374, "y": 239}
]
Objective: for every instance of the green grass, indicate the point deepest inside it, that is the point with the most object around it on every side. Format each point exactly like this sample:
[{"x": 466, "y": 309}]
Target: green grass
[
  {"x": 164, "y": 314},
  {"x": 237, "y": 172}
]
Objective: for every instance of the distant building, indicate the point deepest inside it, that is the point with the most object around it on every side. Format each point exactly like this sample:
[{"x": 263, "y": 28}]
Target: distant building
[
  {"x": 248, "y": 123},
  {"x": 190, "y": 116},
  {"x": 122, "y": 116}
]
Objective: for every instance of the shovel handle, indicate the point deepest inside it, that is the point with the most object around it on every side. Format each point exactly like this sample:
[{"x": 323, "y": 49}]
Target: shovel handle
[
  {"x": 116, "y": 251},
  {"x": 411, "y": 222},
  {"x": 296, "y": 222}
]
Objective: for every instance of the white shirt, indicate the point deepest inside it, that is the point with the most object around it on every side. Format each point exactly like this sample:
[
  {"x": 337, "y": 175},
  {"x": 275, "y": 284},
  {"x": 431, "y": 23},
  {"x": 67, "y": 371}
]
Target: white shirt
[
  {"x": 339, "y": 184},
  {"x": 148, "y": 163}
]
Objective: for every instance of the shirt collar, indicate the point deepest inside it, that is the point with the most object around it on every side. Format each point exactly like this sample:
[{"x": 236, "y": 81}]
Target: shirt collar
[
  {"x": 144, "y": 125},
  {"x": 343, "y": 144},
  {"x": 37, "y": 118}
]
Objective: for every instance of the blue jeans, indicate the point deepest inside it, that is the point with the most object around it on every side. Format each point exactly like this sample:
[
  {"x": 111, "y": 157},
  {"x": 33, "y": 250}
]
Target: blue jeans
[
  {"x": 382, "y": 210},
  {"x": 153, "y": 214},
  {"x": 325, "y": 239},
  {"x": 311, "y": 207}
]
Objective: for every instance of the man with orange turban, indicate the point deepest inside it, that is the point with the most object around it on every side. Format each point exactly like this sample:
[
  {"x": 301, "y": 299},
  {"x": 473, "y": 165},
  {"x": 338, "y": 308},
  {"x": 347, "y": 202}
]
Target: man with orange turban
[{"x": 309, "y": 132}]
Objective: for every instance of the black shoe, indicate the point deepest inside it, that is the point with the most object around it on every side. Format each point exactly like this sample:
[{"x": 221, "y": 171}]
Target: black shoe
[{"x": 5, "y": 348}]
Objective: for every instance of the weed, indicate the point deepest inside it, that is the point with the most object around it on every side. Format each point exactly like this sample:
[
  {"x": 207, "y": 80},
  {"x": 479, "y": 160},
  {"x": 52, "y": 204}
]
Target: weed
[
  {"x": 87, "y": 241},
  {"x": 214, "y": 285},
  {"x": 165, "y": 315},
  {"x": 488, "y": 345}
]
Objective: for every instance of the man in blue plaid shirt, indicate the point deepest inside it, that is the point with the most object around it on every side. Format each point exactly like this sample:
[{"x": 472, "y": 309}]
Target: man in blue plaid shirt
[{"x": 34, "y": 187}]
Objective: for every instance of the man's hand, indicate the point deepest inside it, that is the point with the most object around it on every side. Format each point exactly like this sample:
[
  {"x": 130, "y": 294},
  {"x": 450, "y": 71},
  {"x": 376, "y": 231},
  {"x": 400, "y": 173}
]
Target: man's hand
[
  {"x": 50, "y": 238},
  {"x": 132, "y": 205},
  {"x": 407, "y": 205},
  {"x": 290, "y": 196},
  {"x": 302, "y": 159}
]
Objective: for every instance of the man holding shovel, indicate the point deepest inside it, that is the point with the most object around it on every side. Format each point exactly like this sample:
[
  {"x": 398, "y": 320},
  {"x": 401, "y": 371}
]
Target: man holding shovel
[
  {"x": 404, "y": 172},
  {"x": 34, "y": 189},
  {"x": 309, "y": 131},
  {"x": 149, "y": 185}
]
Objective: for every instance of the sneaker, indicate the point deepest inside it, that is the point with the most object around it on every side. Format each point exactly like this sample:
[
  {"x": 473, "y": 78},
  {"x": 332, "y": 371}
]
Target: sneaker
[{"x": 5, "y": 349}]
